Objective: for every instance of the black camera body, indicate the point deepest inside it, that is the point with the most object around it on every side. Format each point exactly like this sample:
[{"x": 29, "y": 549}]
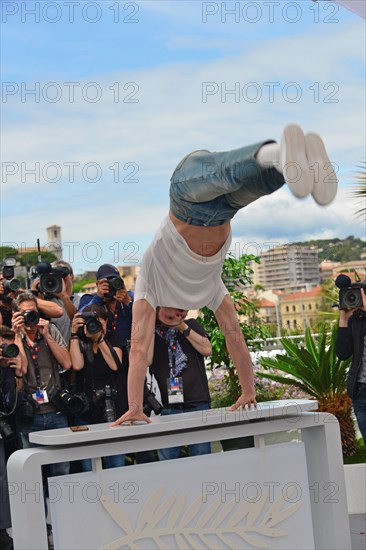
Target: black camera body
[
  {"x": 9, "y": 350},
  {"x": 107, "y": 394},
  {"x": 350, "y": 296},
  {"x": 6, "y": 430},
  {"x": 151, "y": 404},
  {"x": 93, "y": 326},
  {"x": 64, "y": 400},
  {"x": 115, "y": 283},
  {"x": 10, "y": 284},
  {"x": 31, "y": 317},
  {"x": 50, "y": 280}
]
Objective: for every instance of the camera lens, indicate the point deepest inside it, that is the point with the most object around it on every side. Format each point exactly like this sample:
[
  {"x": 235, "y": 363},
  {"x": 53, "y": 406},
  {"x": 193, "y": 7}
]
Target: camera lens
[
  {"x": 10, "y": 350},
  {"x": 116, "y": 284},
  {"x": 12, "y": 285},
  {"x": 351, "y": 298},
  {"x": 31, "y": 318},
  {"x": 51, "y": 284},
  {"x": 93, "y": 326}
]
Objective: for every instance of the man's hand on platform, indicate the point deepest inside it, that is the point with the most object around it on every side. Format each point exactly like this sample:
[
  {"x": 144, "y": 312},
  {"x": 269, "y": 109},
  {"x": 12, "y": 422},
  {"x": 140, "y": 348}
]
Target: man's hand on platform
[
  {"x": 246, "y": 398},
  {"x": 134, "y": 414}
]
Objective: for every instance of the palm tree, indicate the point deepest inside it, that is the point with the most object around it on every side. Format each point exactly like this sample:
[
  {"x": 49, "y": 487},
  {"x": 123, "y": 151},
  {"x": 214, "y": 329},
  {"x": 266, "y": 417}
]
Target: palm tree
[
  {"x": 316, "y": 370},
  {"x": 360, "y": 191}
]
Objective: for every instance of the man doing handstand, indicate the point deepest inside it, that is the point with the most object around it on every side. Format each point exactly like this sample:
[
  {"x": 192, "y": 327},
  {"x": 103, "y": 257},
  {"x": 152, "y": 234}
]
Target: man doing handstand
[{"x": 181, "y": 269}]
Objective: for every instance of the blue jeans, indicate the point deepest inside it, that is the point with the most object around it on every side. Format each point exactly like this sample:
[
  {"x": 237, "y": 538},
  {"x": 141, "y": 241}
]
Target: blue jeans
[
  {"x": 208, "y": 189},
  {"x": 195, "y": 449},
  {"x": 46, "y": 421},
  {"x": 114, "y": 461},
  {"x": 359, "y": 406}
]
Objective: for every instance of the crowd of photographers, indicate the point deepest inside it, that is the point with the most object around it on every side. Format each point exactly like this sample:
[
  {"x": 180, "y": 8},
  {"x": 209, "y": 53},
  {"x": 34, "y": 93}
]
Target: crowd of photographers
[{"x": 63, "y": 362}]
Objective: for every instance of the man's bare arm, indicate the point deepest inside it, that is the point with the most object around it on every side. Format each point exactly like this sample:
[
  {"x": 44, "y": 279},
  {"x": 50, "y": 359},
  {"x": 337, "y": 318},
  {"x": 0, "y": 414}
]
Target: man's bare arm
[
  {"x": 229, "y": 324},
  {"x": 142, "y": 346}
]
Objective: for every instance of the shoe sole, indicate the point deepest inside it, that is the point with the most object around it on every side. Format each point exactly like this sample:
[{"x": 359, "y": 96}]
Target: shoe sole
[
  {"x": 325, "y": 179},
  {"x": 295, "y": 163}
]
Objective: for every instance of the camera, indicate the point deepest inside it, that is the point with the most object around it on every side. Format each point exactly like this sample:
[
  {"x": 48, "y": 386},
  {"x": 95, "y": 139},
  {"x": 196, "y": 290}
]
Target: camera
[
  {"x": 9, "y": 350},
  {"x": 115, "y": 283},
  {"x": 6, "y": 431},
  {"x": 350, "y": 295},
  {"x": 151, "y": 404},
  {"x": 64, "y": 400},
  {"x": 50, "y": 280},
  {"x": 107, "y": 394},
  {"x": 10, "y": 284},
  {"x": 93, "y": 326},
  {"x": 31, "y": 317},
  {"x": 27, "y": 410}
]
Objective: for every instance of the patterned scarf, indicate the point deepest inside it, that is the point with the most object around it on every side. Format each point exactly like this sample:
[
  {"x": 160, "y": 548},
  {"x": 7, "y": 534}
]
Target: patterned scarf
[{"x": 169, "y": 335}]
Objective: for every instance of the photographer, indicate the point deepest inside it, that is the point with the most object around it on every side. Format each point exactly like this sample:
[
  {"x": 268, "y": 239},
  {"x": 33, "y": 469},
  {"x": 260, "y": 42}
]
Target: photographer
[
  {"x": 351, "y": 341},
  {"x": 47, "y": 356},
  {"x": 11, "y": 370},
  {"x": 97, "y": 363},
  {"x": 65, "y": 299},
  {"x": 115, "y": 299},
  {"x": 178, "y": 366}
]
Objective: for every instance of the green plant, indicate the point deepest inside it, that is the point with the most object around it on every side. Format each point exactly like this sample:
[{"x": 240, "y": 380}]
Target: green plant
[
  {"x": 266, "y": 390},
  {"x": 316, "y": 370},
  {"x": 236, "y": 275},
  {"x": 360, "y": 191}
]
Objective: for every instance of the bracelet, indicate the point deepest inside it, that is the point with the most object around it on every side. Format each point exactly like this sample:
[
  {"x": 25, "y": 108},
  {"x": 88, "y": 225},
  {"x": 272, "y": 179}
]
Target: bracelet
[
  {"x": 75, "y": 334},
  {"x": 17, "y": 376},
  {"x": 74, "y": 338}
]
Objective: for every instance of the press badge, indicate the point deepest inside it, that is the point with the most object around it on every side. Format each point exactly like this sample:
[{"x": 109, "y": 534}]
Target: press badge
[
  {"x": 175, "y": 390},
  {"x": 40, "y": 396}
]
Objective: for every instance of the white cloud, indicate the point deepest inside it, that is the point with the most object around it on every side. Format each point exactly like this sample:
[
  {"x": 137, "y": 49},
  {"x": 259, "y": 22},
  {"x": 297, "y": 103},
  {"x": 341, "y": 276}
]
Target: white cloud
[{"x": 171, "y": 119}]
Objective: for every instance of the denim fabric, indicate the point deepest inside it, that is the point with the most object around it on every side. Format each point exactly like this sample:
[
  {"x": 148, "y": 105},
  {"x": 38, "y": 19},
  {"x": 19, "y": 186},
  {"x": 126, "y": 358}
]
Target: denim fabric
[
  {"x": 359, "y": 406},
  {"x": 195, "y": 449},
  {"x": 208, "y": 189},
  {"x": 47, "y": 421}
]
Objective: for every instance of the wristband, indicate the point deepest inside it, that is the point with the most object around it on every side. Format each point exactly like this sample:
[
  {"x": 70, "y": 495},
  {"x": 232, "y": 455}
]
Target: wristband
[
  {"x": 186, "y": 332},
  {"x": 74, "y": 334},
  {"x": 18, "y": 376}
]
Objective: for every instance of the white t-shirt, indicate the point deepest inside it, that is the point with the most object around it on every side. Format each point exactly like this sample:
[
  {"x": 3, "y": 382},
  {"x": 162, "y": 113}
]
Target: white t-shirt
[{"x": 173, "y": 276}]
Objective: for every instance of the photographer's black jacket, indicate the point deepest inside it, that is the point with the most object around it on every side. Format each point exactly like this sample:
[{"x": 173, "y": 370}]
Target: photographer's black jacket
[
  {"x": 350, "y": 341},
  {"x": 194, "y": 377}
]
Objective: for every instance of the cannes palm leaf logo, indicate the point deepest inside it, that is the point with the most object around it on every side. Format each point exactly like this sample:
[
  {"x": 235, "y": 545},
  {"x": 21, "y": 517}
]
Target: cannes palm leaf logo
[{"x": 201, "y": 526}]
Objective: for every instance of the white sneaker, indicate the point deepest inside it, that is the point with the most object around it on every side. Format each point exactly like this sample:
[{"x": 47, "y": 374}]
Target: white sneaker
[
  {"x": 295, "y": 164},
  {"x": 324, "y": 177}
]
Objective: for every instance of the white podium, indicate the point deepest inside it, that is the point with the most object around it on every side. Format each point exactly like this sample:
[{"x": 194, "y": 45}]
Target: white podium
[{"x": 278, "y": 496}]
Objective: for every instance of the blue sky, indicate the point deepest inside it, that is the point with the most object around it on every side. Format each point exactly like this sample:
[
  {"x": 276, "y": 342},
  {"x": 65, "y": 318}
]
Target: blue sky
[{"x": 123, "y": 90}]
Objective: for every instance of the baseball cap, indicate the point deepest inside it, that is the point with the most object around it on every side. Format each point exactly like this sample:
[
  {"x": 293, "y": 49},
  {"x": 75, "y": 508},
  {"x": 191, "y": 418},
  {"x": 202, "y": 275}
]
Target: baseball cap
[{"x": 107, "y": 270}]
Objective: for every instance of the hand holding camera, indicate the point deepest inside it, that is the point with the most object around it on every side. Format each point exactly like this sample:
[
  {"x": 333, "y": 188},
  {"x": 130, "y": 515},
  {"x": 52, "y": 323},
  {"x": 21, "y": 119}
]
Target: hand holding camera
[
  {"x": 109, "y": 286},
  {"x": 87, "y": 324}
]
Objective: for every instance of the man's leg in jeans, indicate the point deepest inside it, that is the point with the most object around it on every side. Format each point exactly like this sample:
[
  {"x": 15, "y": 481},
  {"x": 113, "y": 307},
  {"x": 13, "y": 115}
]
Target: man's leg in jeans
[
  {"x": 243, "y": 175},
  {"x": 204, "y": 177}
]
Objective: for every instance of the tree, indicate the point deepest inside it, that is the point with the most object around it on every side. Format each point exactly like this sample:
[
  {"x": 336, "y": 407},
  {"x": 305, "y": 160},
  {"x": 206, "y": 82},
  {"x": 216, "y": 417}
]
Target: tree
[
  {"x": 316, "y": 370},
  {"x": 236, "y": 275},
  {"x": 8, "y": 251},
  {"x": 31, "y": 258},
  {"x": 360, "y": 192}
]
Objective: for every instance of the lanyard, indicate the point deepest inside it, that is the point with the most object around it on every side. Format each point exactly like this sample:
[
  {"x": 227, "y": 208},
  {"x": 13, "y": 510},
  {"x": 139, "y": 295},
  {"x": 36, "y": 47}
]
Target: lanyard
[
  {"x": 172, "y": 346},
  {"x": 34, "y": 352}
]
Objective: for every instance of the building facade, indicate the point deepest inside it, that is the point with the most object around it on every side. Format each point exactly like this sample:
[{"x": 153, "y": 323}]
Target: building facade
[{"x": 288, "y": 268}]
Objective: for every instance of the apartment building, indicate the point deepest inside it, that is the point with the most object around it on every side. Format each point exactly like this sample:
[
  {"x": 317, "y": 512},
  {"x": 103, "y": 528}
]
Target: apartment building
[
  {"x": 288, "y": 268},
  {"x": 299, "y": 310}
]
